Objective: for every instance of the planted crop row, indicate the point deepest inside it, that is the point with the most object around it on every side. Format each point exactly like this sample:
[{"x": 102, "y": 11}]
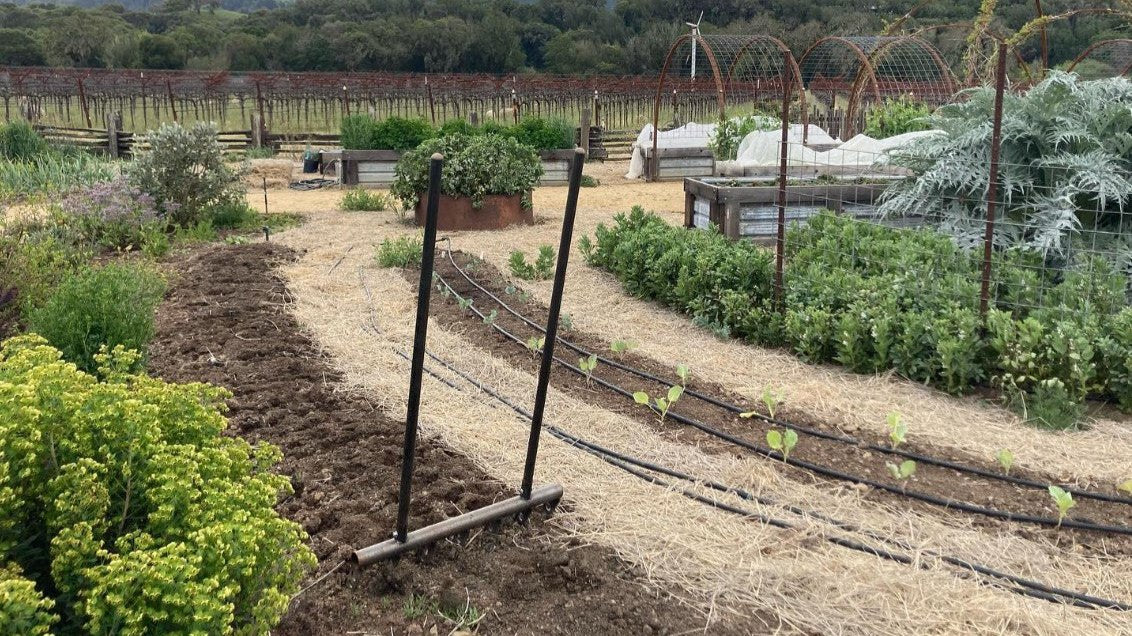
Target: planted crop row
[{"x": 874, "y": 298}]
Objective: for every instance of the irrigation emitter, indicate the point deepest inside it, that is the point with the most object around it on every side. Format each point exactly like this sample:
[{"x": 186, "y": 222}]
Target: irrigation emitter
[{"x": 529, "y": 497}]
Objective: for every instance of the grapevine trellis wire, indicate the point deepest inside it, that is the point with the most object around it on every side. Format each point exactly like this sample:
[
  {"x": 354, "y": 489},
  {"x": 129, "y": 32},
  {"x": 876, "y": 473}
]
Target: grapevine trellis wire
[
  {"x": 311, "y": 100},
  {"x": 1107, "y": 58},
  {"x": 852, "y": 73}
]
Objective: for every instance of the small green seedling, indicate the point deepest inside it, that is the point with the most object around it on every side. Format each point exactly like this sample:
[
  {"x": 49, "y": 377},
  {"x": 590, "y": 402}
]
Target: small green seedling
[
  {"x": 566, "y": 322},
  {"x": 901, "y": 473},
  {"x": 1126, "y": 487},
  {"x": 1063, "y": 500},
  {"x": 782, "y": 442},
  {"x": 587, "y": 365},
  {"x": 490, "y": 318},
  {"x": 897, "y": 429},
  {"x": 684, "y": 373},
  {"x": 622, "y": 346},
  {"x": 443, "y": 291},
  {"x": 510, "y": 290},
  {"x": 464, "y": 303},
  {"x": 771, "y": 400},
  {"x": 660, "y": 404},
  {"x": 1005, "y": 459},
  {"x": 535, "y": 344}
]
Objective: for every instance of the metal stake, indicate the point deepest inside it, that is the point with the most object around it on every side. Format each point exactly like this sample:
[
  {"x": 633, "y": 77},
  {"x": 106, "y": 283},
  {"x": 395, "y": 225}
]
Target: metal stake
[
  {"x": 992, "y": 186},
  {"x": 424, "y": 290},
  {"x": 552, "y": 320}
]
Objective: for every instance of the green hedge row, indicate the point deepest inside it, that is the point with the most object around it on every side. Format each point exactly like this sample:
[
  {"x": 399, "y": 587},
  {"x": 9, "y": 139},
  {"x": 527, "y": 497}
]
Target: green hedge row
[
  {"x": 362, "y": 132},
  {"x": 873, "y": 298}
]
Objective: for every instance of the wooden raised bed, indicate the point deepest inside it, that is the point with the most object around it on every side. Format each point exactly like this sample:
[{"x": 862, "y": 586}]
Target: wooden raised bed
[
  {"x": 555, "y": 167},
  {"x": 670, "y": 164},
  {"x": 497, "y": 212},
  {"x": 366, "y": 168},
  {"x": 748, "y": 208}
]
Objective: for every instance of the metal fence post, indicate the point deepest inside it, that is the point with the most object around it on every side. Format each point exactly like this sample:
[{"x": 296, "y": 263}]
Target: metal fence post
[
  {"x": 783, "y": 155},
  {"x": 992, "y": 185}
]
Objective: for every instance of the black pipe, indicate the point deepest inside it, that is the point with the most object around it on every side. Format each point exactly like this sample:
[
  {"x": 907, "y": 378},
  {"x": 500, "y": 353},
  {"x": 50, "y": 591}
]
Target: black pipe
[
  {"x": 552, "y": 321},
  {"x": 424, "y": 289},
  {"x": 1025, "y": 586},
  {"x": 829, "y": 472},
  {"x": 837, "y": 437}
]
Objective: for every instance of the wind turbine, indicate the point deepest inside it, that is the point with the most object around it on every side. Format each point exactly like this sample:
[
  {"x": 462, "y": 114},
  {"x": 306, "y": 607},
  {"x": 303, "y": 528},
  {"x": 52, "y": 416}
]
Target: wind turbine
[{"x": 695, "y": 37}]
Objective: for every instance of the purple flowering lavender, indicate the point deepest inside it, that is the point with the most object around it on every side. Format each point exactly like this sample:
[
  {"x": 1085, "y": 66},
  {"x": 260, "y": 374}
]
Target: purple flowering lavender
[{"x": 110, "y": 202}]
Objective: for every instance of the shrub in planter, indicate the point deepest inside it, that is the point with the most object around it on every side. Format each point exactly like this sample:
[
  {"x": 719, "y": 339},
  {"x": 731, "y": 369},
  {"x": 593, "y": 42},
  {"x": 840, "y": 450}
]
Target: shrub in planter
[
  {"x": 474, "y": 167},
  {"x": 100, "y": 307},
  {"x": 185, "y": 173},
  {"x": 362, "y": 132},
  {"x": 543, "y": 134},
  {"x": 123, "y": 509}
]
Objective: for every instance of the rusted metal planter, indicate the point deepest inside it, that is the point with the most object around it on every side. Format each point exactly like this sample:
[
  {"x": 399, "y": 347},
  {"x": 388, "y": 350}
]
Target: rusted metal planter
[
  {"x": 366, "y": 168},
  {"x": 747, "y": 208},
  {"x": 497, "y": 212}
]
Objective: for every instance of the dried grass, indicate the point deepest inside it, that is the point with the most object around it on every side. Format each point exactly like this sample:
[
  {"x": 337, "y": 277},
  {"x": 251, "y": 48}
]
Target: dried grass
[{"x": 714, "y": 561}]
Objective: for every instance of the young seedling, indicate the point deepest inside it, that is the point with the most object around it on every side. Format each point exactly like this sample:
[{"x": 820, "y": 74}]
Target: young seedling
[
  {"x": 566, "y": 322},
  {"x": 490, "y": 318},
  {"x": 771, "y": 400},
  {"x": 897, "y": 429},
  {"x": 464, "y": 303},
  {"x": 510, "y": 289},
  {"x": 587, "y": 365},
  {"x": 661, "y": 404},
  {"x": 1006, "y": 460},
  {"x": 901, "y": 473},
  {"x": 622, "y": 346},
  {"x": 684, "y": 373},
  {"x": 535, "y": 344},
  {"x": 1063, "y": 500},
  {"x": 1126, "y": 487},
  {"x": 782, "y": 442}
]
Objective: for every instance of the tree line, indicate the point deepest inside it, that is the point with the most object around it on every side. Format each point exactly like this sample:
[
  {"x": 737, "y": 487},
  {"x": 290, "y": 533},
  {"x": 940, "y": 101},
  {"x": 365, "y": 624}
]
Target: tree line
[{"x": 494, "y": 36}]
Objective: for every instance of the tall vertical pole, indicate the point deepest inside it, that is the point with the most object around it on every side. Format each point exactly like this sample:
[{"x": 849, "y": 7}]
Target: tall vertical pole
[
  {"x": 783, "y": 157},
  {"x": 424, "y": 289},
  {"x": 576, "y": 164},
  {"x": 992, "y": 185}
]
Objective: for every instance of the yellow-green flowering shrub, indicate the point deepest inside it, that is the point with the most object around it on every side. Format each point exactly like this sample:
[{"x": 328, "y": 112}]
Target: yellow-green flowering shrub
[{"x": 123, "y": 510}]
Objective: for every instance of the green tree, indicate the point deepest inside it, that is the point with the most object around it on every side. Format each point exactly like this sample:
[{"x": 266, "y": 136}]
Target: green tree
[{"x": 18, "y": 48}]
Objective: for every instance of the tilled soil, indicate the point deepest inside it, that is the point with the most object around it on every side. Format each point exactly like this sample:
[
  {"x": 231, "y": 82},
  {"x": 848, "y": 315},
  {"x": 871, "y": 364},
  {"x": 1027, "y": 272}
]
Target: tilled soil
[
  {"x": 225, "y": 321},
  {"x": 870, "y": 464}
]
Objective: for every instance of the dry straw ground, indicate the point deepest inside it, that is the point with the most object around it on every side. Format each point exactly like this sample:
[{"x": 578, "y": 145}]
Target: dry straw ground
[{"x": 720, "y": 564}]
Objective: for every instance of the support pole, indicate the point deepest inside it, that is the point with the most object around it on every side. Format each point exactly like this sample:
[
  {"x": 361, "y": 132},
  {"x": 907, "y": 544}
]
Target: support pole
[
  {"x": 992, "y": 184},
  {"x": 424, "y": 289},
  {"x": 783, "y": 155},
  {"x": 576, "y": 164}
]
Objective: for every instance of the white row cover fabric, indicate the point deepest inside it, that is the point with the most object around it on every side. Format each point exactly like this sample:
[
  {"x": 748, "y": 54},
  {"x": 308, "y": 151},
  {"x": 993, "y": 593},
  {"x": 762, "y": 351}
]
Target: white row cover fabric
[
  {"x": 760, "y": 149},
  {"x": 691, "y": 135}
]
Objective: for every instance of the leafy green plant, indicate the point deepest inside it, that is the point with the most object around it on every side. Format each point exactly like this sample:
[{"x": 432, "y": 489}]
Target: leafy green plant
[
  {"x": 566, "y": 322},
  {"x": 771, "y": 400},
  {"x": 903, "y": 472},
  {"x": 362, "y": 200},
  {"x": 20, "y": 142},
  {"x": 896, "y": 117},
  {"x": 543, "y": 134},
  {"x": 418, "y": 606},
  {"x": 897, "y": 429},
  {"x": 400, "y": 251},
  {"x": 662, "y": 404},
  {"x": 462, "y": 617},
  {"x": 52, "y": 172},
  {"x": 589, "y": 181},
  {"x": 475, "y": 167},
  {"x": 541, "y": 269},
  {"x": 783, "y": 442},
  {"x": 489, "y": 319},
  {"x": 729, "y": 133},
  {"x": 1005, "y": 459},
  {"x": 684, "y": 373},
  {"x": 200, "y": 232},
  {"x": 109, "y": 215},
  {"x": 146, "y": 518},
  {"x": 464, "y": 303},
  {"x": 534, "y": 345},
  {"x": 235, "y": 215},
  {"x": 1063, "y": 500},
  {"x": 622, "y": 346},
  {"x": 101, "y": 307},
  {"x": 587, "y": 365},
  {"x": 399, "y": 133},
  {"x": 185, "y": 172}
]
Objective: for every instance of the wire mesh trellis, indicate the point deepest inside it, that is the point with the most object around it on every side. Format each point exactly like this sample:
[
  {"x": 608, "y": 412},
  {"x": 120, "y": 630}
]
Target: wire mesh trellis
[
  {"x": 846, "y": 75},
  {"x": 1107, "y": 58}
]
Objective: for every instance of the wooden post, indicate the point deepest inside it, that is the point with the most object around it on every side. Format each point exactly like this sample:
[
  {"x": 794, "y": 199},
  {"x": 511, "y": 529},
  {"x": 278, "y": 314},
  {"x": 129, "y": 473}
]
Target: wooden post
[
  {"x": 113, "y": 125},
  {"x": 689, "y": 210},
  {"x": 474, "y": 118},
  {"x": 731, "y": 217},
  {"x": 258, "y": 131},
  {"x": 82, "y": 100},
  {"x": 584, "y": 131}
]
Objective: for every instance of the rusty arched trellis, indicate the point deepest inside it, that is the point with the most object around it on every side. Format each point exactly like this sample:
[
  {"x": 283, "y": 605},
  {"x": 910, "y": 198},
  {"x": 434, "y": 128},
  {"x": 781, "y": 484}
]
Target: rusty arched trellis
[
  {"x": 1116, "y": 55},
  {"x": 744, "y": 69},
  {"x": 859, "y": 67}
]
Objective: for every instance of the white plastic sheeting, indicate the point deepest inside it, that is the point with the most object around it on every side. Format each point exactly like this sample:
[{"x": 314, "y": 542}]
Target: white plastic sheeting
[
  {"x": 760, "y": 150},
  {"x": 691, "y": 135}
]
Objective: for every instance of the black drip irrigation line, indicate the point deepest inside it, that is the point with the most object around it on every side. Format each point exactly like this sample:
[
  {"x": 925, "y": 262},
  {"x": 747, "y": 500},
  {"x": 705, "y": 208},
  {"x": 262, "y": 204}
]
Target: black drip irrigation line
[
  {"x": 815, "y": 468},
  {"x": 836, "y": 437},
  {"x": 634, "y": 466}
]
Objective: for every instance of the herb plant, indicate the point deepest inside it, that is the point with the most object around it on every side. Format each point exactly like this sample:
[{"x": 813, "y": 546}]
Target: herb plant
[{"x": 362, "y": 200}]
